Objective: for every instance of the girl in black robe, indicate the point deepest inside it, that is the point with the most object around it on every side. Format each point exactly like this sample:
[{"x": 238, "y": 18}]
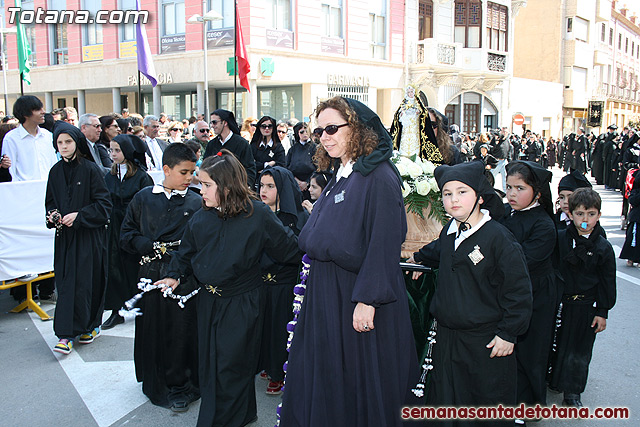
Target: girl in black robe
[
  {"x": 279, "y": 279},
  {"x": 222, "y": 246},
  {"x": 165, "y": 349},
  {"x": 531, "y": 222},
  {"x": 347, "y": 367},
  {"x": 78, "y": 205},
  {"x": 126, "y": 178}
]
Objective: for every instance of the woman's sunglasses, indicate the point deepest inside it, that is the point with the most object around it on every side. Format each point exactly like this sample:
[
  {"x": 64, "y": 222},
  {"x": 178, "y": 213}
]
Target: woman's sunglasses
[
  {"x": 174, "y": 129},
  {"x": 330, "y": 130},
  {"x": 434, "y": 125},
  {"x": 266, "y": 126}
]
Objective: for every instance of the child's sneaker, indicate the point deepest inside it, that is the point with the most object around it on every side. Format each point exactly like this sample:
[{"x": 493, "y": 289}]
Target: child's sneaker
[
  {"x": 275, "y": 387},
  {"x": 64, "y": 346},
  {"x": 89, "y": 336}
]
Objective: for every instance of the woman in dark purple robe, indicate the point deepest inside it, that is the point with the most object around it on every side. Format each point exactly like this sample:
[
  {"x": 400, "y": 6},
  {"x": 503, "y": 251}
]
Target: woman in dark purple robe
[{"x": 353, "y": 357}]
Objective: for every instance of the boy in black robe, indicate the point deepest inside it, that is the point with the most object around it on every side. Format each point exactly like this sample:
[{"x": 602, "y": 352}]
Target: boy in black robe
[
  {"x": 586, "y": 266},
  {"x": 165, "y": 347},
  {"x": 78, "y": 205},
  {"x": 483, "y": 299}
]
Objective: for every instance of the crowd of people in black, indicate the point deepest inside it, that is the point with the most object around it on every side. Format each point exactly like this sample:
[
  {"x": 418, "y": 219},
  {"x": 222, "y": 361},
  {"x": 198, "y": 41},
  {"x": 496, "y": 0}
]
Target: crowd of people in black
[{"x": 239, "y": 206}]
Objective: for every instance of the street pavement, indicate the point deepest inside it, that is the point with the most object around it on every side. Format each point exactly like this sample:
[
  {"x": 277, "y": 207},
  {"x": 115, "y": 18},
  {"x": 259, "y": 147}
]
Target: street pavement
[{"x": 96, "y": 385}]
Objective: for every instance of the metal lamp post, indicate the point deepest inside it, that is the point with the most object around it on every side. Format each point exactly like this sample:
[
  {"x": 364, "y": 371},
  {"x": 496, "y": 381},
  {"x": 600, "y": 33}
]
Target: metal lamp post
[
  {"x": 4, "y": 32},
  {"x": 209, "y": 16}
]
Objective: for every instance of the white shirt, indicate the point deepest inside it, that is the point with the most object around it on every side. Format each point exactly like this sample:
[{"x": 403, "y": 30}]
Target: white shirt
[
  {"x": 159, "y": 188},
  {"x": 453, "y": 228},
  {"x": 345, "y": 170},
  {"x": 31, "y": 156},
  {"x": 156, "y": 153},
  {"x": 227, "y": 138},
  {"x": 564, "y": 217}
]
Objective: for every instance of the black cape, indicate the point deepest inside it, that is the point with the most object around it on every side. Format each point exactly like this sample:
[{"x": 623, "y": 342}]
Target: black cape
[
  {"x": 224, "y": 256},
  {"x": 241, "y": 149},
  {"x": 80, "y": 251},
  {"x": 535, "y": 230},
  {"x": 165, "y": 346},
  {"x": 123, "y": 268},
  {"x": 337, "y": 376}
]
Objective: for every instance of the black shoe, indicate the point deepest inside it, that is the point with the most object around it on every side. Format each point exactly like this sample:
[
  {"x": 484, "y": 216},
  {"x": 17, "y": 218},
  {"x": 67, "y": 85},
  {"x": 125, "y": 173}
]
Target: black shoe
[
  {"x": 572, "y": 400},
  {"x": 113, "y": 320},
  {"x": 180, "y": 406},
  {"x": 554, "y": 390}
]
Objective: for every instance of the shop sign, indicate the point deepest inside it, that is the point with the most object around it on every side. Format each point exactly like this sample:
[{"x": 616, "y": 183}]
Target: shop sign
[
  {"x": 346, "y": 80},
  {"x": 220, "y": 38},
  {"x": 163, "y": 78},
  {"x": 128, "y": 49},
  {"x": 93, "y": 52},
  {"x": 280, "y": 38},
  {"x": 332, "y": 45},
  {"x": 172, "y": 44}
]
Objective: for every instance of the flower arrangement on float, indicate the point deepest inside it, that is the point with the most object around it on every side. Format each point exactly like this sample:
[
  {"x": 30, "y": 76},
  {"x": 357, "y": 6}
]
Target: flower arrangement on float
[{"x": 419, "y": 187}]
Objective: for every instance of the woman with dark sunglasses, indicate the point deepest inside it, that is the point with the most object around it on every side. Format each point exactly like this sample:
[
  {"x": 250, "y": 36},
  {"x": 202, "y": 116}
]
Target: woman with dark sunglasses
[
  {"x": 300, "y": 157},
  {"x": 353, "y": 358},
  {"x": 265, "y": 145},
  {"x": 175, "y": 132}
]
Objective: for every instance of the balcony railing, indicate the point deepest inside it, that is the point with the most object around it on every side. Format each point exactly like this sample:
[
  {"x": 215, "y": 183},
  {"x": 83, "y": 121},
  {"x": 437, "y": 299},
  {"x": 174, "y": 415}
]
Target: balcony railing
[
  {"x": 431, "y": 52},
  {"x": 496, "y": 62},
  {"x": 446, "y": 54}
]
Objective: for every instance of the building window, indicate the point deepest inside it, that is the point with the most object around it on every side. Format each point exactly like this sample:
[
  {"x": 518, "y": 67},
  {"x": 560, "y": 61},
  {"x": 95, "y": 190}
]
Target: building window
[
  {"x": 626, "y": 45},
  {"x": 378, "y": 21},
  {"x": 279, "y": 15},
  {"x": 224, "y": 8},
  {"x": 610, "y": 36},
  {"x": 359, "y": 93},
  {"x": 467, "y": 20},
  {"x": 332, "y": 18},
  {"x": 603, "y": 33},
  {"x": 619, "y": 41},
  {"x": 173, "y": 17},
  {"x": 581, "y": 29},
  {"x": 569, "y": 25},
  {"x": 30, "y": 29},
  {"x": 497, "y": 26},
  {"x": 425, "y": 19},
  {"x": 128, "y": 31},
  {"x": 60, "y": 48},
  {"x": 92, "y": 33}
]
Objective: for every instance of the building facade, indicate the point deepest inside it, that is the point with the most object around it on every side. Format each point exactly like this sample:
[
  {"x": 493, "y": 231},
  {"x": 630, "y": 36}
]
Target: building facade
[
  {"x": 461, "y": 58},
  {"x": 573, "y": 54},
  {"x": 300, "y": 51}
]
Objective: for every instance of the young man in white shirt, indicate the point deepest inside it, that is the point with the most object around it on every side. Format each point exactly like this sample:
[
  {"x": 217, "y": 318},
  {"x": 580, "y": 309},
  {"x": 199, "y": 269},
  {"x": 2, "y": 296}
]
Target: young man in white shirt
[{"x": 29, "y": 147}]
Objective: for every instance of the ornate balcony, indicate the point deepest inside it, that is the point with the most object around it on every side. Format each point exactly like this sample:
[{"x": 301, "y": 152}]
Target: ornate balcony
[{"x": 496, "y": 62}]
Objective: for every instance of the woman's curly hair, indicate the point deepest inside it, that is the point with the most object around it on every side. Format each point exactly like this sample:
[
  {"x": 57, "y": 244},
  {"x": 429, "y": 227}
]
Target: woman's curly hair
[{"x": 361, "y": 141}]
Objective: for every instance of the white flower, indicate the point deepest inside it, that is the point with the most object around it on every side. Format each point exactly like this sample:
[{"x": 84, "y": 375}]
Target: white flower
[
  {"x": 428, "y": 167},
  {"x": 406, "y": 189},
  {"x": 434, "y": 184},
  {"x": 414, "y": 170},
  {"x": 402, "y": 169},
  {"x": 423, "y": 187}
]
